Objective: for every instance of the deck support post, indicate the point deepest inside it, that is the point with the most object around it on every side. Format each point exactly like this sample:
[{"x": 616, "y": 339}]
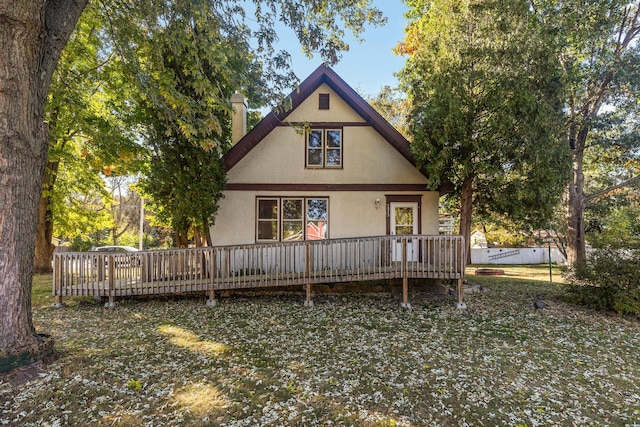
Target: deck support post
[
  {"x": 112, "y": 294},
  {"x": 460, "y": 305},
  {"x": 308, "y": 302},
  {"x": 405, "y": 279},
  {"x": 57, "y": 284},
  {"x": 211, "y": 301},
  {"x": 57, "y": 302}
]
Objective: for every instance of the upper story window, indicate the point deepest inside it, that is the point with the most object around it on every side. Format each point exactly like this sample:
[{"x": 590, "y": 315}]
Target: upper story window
[{"x": 324, "y": 148}]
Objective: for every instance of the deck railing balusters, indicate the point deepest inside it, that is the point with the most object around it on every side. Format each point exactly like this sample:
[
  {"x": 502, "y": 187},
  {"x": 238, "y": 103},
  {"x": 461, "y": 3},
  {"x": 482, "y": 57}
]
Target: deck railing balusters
[{"x": 249, "y": 266}]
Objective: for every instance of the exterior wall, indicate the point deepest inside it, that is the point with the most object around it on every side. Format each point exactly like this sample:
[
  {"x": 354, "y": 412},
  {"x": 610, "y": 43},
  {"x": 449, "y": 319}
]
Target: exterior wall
[{"x": 351, "y": 214}]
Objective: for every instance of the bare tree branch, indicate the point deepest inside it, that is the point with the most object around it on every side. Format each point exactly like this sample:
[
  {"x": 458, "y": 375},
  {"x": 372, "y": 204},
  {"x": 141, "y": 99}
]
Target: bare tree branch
[{"x": 591, "y": 197}]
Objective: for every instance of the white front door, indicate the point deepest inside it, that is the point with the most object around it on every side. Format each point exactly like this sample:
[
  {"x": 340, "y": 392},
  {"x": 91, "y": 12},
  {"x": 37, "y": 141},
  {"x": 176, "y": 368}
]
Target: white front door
[{"x": 404, "y": 221}]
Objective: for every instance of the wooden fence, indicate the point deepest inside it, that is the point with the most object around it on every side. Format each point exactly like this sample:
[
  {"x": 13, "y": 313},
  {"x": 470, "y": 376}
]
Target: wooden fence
[{"x": 211, "y": 269}]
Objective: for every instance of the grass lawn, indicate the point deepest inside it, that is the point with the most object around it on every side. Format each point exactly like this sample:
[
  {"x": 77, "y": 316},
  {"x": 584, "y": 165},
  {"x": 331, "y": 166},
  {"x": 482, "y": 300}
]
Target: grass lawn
[{"x": 353, "y": 359}]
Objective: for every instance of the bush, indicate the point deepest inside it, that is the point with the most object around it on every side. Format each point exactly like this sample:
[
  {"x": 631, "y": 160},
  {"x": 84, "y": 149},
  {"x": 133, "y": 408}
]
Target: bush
[{"x": 609, "y": 280}]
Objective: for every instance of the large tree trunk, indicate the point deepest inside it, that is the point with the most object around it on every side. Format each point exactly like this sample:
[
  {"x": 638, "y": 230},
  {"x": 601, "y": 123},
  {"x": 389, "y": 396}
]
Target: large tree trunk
[
  {"x": 32, "y": 35},
  {"x": 466, "y": 210},
  {"x": 575, "y": 203}
]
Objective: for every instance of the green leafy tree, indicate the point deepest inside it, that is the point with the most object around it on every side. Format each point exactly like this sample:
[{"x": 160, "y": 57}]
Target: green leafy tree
[
  {"x": 486, "y": 107},
  {"x": 185, "y": 183},
  {"x": 599, "y": 54},
  {"x": 90, "y": 136},
  {"x": 393, "y": 106},
  {"x": 191, "y": 68}
]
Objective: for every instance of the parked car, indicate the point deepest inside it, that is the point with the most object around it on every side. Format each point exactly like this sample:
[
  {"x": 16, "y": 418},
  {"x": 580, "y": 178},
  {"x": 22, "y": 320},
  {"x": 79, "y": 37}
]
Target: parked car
[
  {"x": 114, "y": 249},
  {"x": 118, "y": 250}
]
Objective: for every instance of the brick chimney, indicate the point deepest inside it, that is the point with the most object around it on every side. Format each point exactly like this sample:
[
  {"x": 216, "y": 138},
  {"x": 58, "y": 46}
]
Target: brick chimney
[{"x": 238, "y": 117}]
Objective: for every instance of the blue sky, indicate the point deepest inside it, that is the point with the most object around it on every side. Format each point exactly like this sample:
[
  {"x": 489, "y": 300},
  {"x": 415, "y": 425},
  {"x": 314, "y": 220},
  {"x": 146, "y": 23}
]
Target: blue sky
[{"x": 367, "y": 66}]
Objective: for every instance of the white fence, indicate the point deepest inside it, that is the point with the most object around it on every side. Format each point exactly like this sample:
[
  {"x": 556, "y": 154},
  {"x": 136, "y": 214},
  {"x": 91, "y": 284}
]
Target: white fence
[{"x": 516, "y": 256}]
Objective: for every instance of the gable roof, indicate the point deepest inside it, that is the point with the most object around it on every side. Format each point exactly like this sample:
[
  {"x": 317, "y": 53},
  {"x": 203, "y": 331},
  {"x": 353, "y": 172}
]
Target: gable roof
[{"x": 322, "y": 74}]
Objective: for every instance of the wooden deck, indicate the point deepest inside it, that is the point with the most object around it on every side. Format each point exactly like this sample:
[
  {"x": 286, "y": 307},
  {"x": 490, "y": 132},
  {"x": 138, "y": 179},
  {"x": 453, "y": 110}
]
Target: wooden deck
[{"x": 212, "y": 269}]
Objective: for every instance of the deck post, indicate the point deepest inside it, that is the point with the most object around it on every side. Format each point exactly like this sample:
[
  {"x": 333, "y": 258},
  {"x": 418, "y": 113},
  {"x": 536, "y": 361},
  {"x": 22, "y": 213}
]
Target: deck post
[
  {"x": 405, "y": 279},
  {"x": 143, "y": 267},
  {"x": 212, "y": 302},
  {"x": 459, "y": 290},
  {"x": 112, "y": 286},
  {"x": 308, "y": 302},
  {"x": 462, "y": 263},
  {"x": 57, "y": 283}
]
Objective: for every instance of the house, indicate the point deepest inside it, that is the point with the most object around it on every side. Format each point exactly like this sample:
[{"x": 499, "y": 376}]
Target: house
[{"x": 327, "y": 167}]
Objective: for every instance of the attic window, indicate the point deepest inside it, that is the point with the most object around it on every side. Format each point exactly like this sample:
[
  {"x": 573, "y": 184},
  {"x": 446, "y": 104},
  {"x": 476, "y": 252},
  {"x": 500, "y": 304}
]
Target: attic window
[{"x": 323, "y": 101}]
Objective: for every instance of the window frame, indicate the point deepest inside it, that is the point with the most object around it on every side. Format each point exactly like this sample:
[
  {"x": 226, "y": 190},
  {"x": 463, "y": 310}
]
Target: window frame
[
  {"x": 323, "y": 101},
  {"x": 281, "y": 220},
  {"x": 324, "y": 148},
  {"x": 260, "y": 220}
]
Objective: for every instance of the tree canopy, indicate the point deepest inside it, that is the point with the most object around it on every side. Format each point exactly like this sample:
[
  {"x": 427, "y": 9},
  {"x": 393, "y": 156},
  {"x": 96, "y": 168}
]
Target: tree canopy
[
  {"x": 92, "y": 134},
  {"x": 486, "y": 103},
  {"x": 597, "y": 46}
]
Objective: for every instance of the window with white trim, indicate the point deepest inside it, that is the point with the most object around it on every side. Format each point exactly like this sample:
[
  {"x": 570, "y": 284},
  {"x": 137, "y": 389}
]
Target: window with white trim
[
  {"x": 324, "y": 148},
  {"x": 292, "y": 218}
]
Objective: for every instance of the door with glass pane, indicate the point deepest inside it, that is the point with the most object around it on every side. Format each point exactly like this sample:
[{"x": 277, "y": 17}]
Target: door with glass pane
[{"x": 404, "y": 221}]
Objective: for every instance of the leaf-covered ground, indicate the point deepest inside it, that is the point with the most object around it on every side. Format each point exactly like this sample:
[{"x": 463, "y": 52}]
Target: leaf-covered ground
[{"x": 353, "y": 359}]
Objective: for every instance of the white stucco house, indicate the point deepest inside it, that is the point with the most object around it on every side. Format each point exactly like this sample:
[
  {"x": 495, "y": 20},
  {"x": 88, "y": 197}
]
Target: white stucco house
[{"x": 327, "y": 167}]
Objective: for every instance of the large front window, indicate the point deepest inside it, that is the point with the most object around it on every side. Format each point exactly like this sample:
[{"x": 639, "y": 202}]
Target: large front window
[
  {"x": 324, "y": 148},
  {"x": 289, "y": 219}
]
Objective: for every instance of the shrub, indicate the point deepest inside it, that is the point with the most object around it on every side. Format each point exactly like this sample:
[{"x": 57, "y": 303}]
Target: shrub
[{"x": 609, "y": 280}]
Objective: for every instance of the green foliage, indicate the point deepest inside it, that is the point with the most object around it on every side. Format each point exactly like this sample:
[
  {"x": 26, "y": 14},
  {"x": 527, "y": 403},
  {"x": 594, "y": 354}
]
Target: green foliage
[
  {"x": 501, "y": 237},
  {"x": 608, "y": 280},
  {"x": 135, "y": 385},
  {"x": 90, "y": 133},
  {"x": 486, "y": 105},
  {"x": 81, "y": 244},
  {"x": 393, "y": 107},
  {"x": 185, "y": 183},
  {"x": 237, "y": 41},
  {"x": 599, "y": 53},
  {"x": 618, "y": 226}
]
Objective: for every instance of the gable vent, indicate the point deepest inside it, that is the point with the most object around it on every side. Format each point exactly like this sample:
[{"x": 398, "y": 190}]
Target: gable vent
[{"x": 323, "y": 101}]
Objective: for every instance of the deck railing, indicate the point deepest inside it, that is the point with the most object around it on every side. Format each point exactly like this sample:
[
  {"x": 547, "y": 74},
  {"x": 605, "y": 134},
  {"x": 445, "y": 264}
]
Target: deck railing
[{"x": 210, "y": 269}]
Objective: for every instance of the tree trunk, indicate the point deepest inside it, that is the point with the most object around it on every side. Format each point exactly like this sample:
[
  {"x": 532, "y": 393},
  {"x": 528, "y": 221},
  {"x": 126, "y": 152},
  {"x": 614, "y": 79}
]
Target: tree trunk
[
  {"x": 44, "y": 230},
  {"x": 207, "y": 231},
  {"x": 197, "y": 239},
  {"x": 575, "y": 203},
  {"x": 32, "y": 35},
  {"x": 466, "y": 210}
]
